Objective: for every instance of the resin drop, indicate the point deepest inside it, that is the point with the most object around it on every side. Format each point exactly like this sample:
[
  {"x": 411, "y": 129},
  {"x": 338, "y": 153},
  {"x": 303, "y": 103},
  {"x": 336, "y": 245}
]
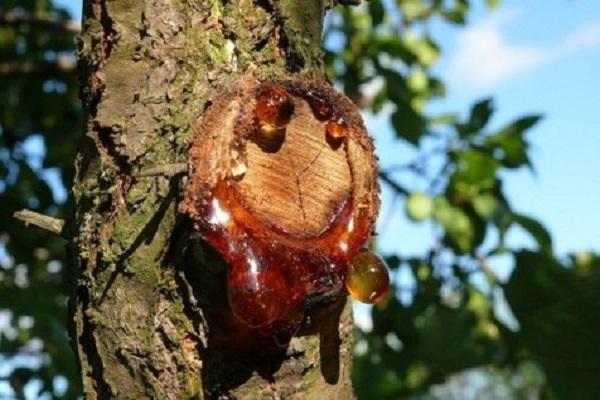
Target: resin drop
[
  {"x": 368, "y": 279},
  {"x": 336, "y": 127},
  {"x": 274, "y": 109},
  {"x": 319, "y": 105},
  {"x": 257, "y": 292}
]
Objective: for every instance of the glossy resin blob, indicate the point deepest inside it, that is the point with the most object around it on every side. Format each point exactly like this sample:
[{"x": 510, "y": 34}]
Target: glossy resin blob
[
  {"x": 283, "y": 183},
  {"x": 368, "y": 279}
]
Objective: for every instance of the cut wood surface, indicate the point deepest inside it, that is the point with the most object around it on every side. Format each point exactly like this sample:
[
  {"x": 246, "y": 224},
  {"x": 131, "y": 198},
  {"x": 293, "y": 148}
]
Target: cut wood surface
[{"x": 297, "y": 186}]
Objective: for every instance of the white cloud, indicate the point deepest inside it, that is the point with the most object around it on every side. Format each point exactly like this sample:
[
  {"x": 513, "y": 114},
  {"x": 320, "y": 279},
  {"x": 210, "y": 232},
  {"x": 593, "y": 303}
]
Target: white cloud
[
  {"x": 586, "y": 36},
  {"x": 485, "y": 56}
]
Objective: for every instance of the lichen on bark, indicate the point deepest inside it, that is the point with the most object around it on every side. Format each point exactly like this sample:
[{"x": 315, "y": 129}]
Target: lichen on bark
[{"x": 148, "y": 68}]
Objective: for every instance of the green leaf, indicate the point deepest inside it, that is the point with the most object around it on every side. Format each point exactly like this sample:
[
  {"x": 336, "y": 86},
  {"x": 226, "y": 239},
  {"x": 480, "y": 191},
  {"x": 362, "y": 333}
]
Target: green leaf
[
  {"x": 413, "y": 9},
  {"x": 378, "y": 100},
  {"x": 377, "y": 12},
  {"x": 535, "y": 283},
  {"x": 395, "y": 85},
  {"x": 511, "y": 144},
  {"x": 436, "y": 88},
  {"x": 485, "y": 205},
  {"x": 454, "y": 16},
  {"x": 512, "y": 150},
  {"x": 390, "y": 44},
  {"x": 458, "y": 14},
  {"x": 418, "y": 80},
  {"x": 481, "y": 113},
  {"x": 559, "y": 316},
  {"x": 475, "y": 166},
  {"x": 522, "y": 124},
  {"x": 424, "y": 48},
  {"x": 536, "y": 230},
  {"x": 479, "y": 116},
  {"x": 475, "y": 172},
  {"x": 462, "y": 231},
  {"x": 408, "y": 124}
]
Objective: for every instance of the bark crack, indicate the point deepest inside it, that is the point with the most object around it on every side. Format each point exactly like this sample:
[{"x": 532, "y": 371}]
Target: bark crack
[
  {"x": 294, "y": 59},
  {"x": 109, "y": 33},
  {"x": 87, "y": 342},
  {"x": 106, "y": 140},
  {"x": 300, "y": 200},
  {"x": 299, "y": 185}
]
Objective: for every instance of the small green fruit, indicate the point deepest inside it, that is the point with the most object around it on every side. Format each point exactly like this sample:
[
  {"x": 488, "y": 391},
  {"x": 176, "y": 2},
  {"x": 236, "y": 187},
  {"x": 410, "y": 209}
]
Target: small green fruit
[{"x": 418, "y": 206}]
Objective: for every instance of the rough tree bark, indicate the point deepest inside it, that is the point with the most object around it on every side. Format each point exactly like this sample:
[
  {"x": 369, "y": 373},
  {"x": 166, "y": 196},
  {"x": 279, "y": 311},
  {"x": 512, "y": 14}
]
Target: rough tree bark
[{"x": 141, "y": 299}]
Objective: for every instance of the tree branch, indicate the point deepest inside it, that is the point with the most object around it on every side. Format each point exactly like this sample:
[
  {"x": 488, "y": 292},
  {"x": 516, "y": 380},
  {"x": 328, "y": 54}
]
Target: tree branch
[
  {"x": 392, "y": 183},
  {"x": 47, "y": 223},
  {"x": 488, "y": 269},
  {"x": 17, "y": 18},
  {"x": 61, "y": 65},
  {"x": 18, "y": 387}
]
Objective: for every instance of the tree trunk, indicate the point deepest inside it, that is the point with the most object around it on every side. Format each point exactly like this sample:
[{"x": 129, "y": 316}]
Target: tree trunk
[{"x": 141, "y": 304}]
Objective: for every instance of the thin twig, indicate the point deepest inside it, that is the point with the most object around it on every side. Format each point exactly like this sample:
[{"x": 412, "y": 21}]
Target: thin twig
[
  {"x": 488, "y": 269},
  {"x": 394, "y": 185},
  {"x": 389, "y": 215},
  {"x": 17, "y": 387},
  {"x": 21, "y": 18},
  {"x": 163, "y": 170},
  {"x": 47, "y": 223}
]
